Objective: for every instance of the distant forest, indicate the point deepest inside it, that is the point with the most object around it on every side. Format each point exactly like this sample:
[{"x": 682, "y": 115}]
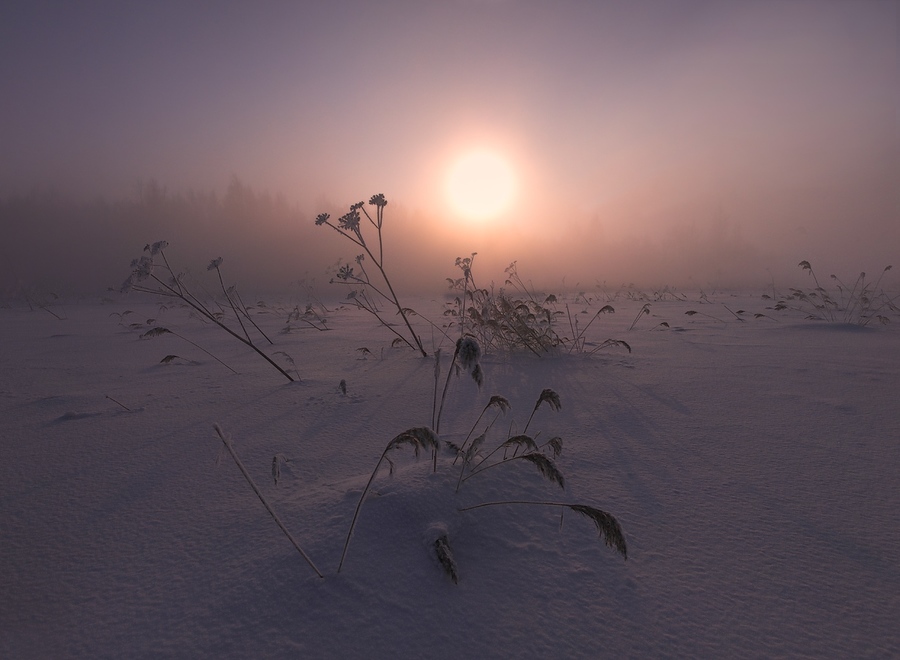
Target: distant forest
[{"x": 56, "y": 243}]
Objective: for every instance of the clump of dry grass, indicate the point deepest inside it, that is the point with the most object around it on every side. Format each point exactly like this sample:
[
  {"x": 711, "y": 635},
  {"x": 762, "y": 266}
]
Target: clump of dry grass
[
  {"x": 515, "y": 448},
  {"x": 530, "y": 451},
  {"x": 517, "y": 318},
  {"x": 503, "y": 320},
  {"x": 858, "y": 304},
  {"x": 542, "y": 457},
  {"x": 579, "y": 341}
]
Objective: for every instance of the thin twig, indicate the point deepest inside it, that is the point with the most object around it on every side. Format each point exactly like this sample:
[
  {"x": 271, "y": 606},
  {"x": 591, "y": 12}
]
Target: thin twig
[{"x": 228, "y": 445}]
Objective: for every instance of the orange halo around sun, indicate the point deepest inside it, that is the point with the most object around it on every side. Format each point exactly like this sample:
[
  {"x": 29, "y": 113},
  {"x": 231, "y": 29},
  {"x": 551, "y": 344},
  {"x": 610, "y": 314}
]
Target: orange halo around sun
[{"x": 480, "y": 185}]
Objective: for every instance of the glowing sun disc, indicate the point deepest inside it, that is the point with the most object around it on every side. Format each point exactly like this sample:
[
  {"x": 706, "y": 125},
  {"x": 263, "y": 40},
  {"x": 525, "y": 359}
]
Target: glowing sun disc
[{"x": 480, "y": 185}]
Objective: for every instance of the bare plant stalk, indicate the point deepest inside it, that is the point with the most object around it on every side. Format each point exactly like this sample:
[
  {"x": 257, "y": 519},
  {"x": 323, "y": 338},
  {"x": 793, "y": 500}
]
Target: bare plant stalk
[
  {"x": 246, "y": 313},
  {"x": 734, "y": 314},
  {"x": 578, "y": 340},
  {"x": 573, "y": 327},
  {"x": 644, "y": 310},
  {"x": 551, "y": 398},
  {"x": 496, "y": 400},
  {"x": 468, "y": 353},
  {"x": 157, "y": 331},
  {"x": 437, "y": 378},
  {"x": 215, "y": 264},
  {"x": 118, "y": 402},
  {"x": 228, "y": 445},
  {"x": 437, "y": 423}
]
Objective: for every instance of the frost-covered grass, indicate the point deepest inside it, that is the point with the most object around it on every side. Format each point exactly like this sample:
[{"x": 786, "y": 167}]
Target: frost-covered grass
[
  {"x": 752, "y": 466},
  {"x": 863, "y": 302}
]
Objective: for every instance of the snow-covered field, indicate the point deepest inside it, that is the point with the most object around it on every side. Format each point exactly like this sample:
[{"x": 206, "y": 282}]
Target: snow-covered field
[{"x": 752, "y": 465}]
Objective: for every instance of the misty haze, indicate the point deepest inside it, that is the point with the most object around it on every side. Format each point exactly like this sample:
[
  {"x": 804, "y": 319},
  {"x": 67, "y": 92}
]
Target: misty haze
[{"x": 687, "y": 144}]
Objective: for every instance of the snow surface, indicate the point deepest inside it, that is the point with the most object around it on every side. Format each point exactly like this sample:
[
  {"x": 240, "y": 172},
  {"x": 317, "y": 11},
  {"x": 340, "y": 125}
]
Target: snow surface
[{"x": 753, "y": 467}]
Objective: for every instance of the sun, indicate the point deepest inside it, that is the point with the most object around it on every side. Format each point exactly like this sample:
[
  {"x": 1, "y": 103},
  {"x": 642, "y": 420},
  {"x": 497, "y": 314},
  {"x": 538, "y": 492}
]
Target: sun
[{"x": 480, "y": 185}]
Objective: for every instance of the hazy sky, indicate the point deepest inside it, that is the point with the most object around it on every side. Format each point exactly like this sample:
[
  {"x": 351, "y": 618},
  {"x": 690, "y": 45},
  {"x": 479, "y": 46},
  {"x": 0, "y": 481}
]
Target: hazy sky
[{"x": 726, "y": 135}]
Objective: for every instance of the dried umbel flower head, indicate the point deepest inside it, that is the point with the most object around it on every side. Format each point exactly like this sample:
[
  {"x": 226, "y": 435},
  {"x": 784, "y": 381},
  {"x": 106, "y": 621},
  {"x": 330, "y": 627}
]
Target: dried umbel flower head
[
  {"x": 156, "y": 247},
  {"x": 350, "y": 220},
  {"x": 322, "y": 218},
  {"x": 141, "y": 269},
  {"x": 214, "y": 264},
  {"x": 377, "y": 200}
]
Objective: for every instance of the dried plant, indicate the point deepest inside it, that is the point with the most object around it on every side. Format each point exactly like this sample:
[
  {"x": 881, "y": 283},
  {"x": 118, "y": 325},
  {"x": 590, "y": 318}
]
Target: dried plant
[
  {"x": 466, "y": 357},
  {"x": 310, "y": 318},
  {"x": 531, "y": 452},
  {"x": 693, "y": 312},
  {"x": 607, "y": 525},
  {"x": 419, "y": 438},
  {"x": 160, "y": 279},
  {"x": 119, "y": 403},
  {"x": 42, "y": 300},
  {"x": 368, "y": 291},
  {"x": 229, "y": 445},
  {"x": 445, "y": 557},
  {"x": 289, "y": 360},
  {"x": 235, "y": 302},
  {"x": 496, "y": 401},
  {"x": 645, "y": 309},
  {"x": 515, "y": 319},
  {"x": 540, "y": 456},
  {"x": 159, "y": 331},
  {"x": 578, "y": 342},
  {"x": 858, "y": 304},
  {"x": 501, "y": 320},
  {"x": 520, "y": 447},
  {"x": 277, "y": 461}
]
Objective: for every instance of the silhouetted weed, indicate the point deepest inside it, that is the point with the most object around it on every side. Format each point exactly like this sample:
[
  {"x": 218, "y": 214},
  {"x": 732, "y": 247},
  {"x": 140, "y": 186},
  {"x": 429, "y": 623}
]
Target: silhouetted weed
[
  {"x": 159, "y": 279},
  {"x": 366, "y": 291}
]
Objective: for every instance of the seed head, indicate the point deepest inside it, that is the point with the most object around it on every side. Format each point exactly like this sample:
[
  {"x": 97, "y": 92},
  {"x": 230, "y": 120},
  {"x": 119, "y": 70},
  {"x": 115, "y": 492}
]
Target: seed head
[
  {"x": 478, "y": 375},
  {"x": 469, "y": 352},
  {"x": 350, "y": 220},
  {"x": 159, "y": 245},
  {"x": 551, "y": 397}
]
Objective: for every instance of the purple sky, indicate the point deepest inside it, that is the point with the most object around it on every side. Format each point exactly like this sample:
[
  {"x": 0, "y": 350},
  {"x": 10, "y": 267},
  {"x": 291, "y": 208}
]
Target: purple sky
[{"x": 627, "y": 123}]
